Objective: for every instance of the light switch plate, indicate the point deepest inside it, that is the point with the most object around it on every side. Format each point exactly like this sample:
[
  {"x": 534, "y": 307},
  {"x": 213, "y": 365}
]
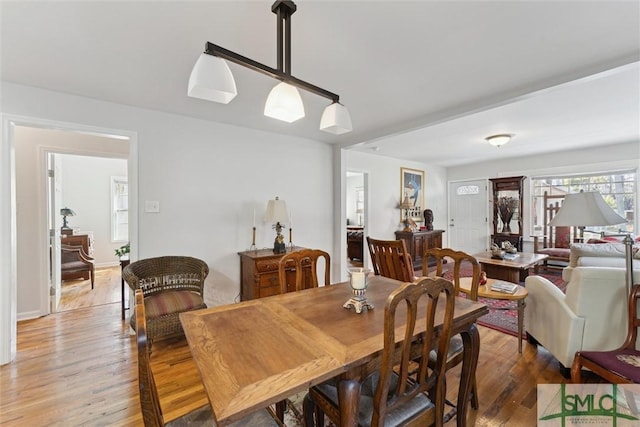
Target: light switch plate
[{"x": 152, "y": 206}]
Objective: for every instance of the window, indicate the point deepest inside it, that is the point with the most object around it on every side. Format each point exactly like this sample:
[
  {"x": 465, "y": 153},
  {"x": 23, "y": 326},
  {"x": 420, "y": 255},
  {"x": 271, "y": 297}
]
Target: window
[
  {"x": 119, "y": 209},
  {"x": 618, "y": 188}
]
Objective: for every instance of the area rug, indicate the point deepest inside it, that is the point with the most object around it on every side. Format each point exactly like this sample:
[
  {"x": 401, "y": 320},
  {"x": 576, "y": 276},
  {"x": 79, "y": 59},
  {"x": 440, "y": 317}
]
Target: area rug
[{"x": 507, "y": 320}]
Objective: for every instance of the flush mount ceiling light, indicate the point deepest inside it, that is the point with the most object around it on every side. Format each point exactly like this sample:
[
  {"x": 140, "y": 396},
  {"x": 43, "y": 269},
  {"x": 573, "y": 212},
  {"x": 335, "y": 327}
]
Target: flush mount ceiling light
[
  {"x": 498, "y": 140},
  {"x": 211, "y": 79}
]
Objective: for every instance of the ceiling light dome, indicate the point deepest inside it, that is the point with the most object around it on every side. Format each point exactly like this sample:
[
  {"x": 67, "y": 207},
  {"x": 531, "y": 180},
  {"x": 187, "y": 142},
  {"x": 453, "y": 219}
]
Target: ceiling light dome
[{"x": 499, "y": 139}]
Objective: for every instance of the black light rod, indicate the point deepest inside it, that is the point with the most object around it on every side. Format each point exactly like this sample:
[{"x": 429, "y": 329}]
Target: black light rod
[{"x": 215, "y": 50}]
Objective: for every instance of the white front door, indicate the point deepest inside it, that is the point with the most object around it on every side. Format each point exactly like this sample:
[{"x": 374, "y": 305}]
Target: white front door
[{"x": 468, "y": 207}]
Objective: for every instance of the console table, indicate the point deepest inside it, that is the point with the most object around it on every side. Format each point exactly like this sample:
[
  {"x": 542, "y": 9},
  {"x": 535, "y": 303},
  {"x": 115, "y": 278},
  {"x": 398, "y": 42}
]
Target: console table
[
  {"x": 259, "y": 273},
  {"x": 419, "y": 241}
]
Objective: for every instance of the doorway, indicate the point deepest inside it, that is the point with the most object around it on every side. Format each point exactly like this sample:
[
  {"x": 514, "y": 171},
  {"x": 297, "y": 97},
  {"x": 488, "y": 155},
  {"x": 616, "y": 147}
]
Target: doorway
[
  {"x": 356, "y": 214},
  {"x": 37, "y": 209},
  {"x": 90, "y": 188},
  {"x": 468, "y": 207}
]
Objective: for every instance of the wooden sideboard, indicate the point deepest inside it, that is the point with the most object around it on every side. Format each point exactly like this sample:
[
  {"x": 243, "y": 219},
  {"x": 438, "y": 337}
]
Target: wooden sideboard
[
  {"x": 418, "y": 241},
  {"x": 259, "y": 273}
]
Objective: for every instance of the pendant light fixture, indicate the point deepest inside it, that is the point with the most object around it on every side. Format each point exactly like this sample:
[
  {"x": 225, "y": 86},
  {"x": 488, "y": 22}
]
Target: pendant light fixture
[{"x": 212, "y": 80}]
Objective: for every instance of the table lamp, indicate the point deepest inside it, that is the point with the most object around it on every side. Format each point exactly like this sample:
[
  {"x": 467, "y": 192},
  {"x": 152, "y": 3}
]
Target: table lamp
[
  {"x": 406, "y": 205},
  {"x": 65, "y": 212},
  {"x": 278, "y": 215},
  {"x": 588, "y": 209}
]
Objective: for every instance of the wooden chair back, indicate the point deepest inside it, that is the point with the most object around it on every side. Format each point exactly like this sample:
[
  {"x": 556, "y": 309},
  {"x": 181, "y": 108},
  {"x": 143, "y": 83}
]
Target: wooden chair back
[
  {"x": 391, "y": 259},
  {"x": 443, "y": 256},
  {"x": 166, "y": 273},
  {"x": 149, "y": 400},
  {"x": 305, "y": 270},
  {"x": 559, "y": 236},
  {"x": 407, "y": 301}
]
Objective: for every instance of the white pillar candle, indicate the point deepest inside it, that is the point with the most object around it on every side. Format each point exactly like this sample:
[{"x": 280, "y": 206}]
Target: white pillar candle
[{"x": 358, "y": 280}]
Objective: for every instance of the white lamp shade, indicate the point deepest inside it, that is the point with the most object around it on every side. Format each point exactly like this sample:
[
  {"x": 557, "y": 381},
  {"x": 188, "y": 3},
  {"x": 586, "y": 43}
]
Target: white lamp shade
[
  {"x": 276, "y": 212},
  {"x": 336, "y": 119},
  {"x": 211, "y": 79},
  {"x": 498, "y": 140},
  {"x": 585, "y": 209},
  {"x": 284, "y": 103}
]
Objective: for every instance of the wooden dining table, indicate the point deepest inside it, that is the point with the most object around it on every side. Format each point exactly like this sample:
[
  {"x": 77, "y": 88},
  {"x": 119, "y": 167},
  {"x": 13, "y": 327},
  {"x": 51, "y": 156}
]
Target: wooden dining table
[{"x": 258, "y": 352}]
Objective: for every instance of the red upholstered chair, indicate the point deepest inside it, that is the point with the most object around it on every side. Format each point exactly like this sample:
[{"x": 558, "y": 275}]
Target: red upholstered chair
[{"x": 620, "y": 366}]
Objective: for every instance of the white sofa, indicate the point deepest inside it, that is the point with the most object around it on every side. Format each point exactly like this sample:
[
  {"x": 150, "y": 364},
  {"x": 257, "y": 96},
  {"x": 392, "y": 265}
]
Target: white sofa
[
  {"x": 591, "y": 316},
  {"x": 598, "y": 255}
]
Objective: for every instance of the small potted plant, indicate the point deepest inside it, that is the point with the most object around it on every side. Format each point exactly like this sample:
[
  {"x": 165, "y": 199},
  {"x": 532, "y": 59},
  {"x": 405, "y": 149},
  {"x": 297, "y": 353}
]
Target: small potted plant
[{"x": 123, "y": 251}]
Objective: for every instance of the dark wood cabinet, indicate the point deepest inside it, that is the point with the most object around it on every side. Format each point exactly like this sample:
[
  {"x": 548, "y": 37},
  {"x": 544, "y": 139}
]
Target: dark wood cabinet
[
  {"x": 507, "y": 210},
  {"x": 259, "y": 273},
  {"x": 418, "y": 241}
]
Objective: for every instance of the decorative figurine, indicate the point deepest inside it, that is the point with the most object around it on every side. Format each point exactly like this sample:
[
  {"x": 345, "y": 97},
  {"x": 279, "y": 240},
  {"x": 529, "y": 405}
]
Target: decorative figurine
[{"x": 428, "y": 219}]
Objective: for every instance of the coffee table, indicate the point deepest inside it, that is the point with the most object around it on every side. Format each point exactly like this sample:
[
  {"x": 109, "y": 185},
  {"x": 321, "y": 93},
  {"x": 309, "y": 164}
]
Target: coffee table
[
  {"x": 484, "y": 291},
  {"x": 512, "y": 270}
]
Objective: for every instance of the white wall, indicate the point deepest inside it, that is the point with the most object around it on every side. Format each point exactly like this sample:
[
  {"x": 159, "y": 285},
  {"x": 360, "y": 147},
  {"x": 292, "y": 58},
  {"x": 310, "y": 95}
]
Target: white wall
[
  {"x": 208, "y": 178},
  {"x": 384, "y": 192},
  {"x": 86, "y": 189},
  {"x": 587, "y": 160}
]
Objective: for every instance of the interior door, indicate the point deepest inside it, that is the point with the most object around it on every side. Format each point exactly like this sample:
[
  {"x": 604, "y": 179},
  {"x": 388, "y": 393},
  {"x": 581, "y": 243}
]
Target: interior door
[
  {"x": 54, "y": 200},
  {"x": 468, "y": 213}
]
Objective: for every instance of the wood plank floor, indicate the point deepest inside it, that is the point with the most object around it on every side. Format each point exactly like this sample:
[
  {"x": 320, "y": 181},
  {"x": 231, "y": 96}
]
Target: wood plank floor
[{"x": 78, "y": 368}]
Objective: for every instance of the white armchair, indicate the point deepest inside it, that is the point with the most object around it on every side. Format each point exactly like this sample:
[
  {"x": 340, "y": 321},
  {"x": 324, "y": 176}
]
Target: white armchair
[{"x": 591, "y": 316}]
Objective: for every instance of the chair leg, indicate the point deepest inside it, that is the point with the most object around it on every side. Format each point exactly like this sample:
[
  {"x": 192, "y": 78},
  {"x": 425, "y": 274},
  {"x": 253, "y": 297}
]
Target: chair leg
[
  {"x": 308, "y": 411},
  {"x": 474, "y": 395},
  {"x": 280, "y": 408},
  {"x": 92, "y": 276}
]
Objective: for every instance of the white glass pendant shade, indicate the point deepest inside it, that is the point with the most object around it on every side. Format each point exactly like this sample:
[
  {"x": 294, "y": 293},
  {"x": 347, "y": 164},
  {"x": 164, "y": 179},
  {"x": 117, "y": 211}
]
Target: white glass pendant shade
[
  {"x": 284, "y": 103},
  {"x": 211, "y": 80},
  {"x": 336, "y": 119}
]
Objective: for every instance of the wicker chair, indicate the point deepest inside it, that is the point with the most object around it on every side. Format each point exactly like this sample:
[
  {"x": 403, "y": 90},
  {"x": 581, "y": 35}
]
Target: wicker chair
[{"x": 170, "y": 285}]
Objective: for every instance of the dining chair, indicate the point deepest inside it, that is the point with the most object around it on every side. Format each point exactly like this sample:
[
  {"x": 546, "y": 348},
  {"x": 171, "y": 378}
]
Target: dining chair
[
  {"x": 394, "y": 395},
  {"x": 391, "y": 259},
  {"x": 150, "y": 400},
  {"x": 305, "y": 270},
  {"x": 443, "y": 256},
  {"x": 619, "y": 366}
]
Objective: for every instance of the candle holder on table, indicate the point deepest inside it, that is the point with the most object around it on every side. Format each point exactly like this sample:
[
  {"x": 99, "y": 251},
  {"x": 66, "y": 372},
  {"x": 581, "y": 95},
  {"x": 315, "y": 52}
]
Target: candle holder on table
[
  {"x": 358, "y": 282},
  {"x": 253, "y": 246},
  {"x": 291, "y": 238}
]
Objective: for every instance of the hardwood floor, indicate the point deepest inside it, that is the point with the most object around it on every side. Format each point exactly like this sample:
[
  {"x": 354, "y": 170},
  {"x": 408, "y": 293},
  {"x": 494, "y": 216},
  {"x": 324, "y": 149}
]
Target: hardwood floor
[{"x": 78, "y": 367}]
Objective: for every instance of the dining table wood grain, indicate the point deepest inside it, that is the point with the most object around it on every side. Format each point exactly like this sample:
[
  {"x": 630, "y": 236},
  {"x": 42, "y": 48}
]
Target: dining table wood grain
[{"x": 256, "y": 353}]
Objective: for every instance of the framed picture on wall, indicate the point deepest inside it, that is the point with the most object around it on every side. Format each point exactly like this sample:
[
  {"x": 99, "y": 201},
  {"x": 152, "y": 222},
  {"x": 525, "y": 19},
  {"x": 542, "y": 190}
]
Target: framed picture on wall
[{"x": 412, "y": 189}]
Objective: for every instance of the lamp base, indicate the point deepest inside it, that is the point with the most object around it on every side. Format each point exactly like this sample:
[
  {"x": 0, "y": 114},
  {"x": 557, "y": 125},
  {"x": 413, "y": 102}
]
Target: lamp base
[{"x": 279, "y": 247}]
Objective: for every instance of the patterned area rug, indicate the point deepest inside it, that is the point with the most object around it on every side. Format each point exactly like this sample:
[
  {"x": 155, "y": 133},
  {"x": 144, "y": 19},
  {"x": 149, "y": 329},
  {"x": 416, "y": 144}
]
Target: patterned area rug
[{"x": 507, "y": 320}]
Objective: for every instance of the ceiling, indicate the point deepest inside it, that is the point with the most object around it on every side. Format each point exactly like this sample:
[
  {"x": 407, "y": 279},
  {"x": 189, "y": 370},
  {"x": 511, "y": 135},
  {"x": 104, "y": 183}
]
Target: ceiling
[{"x": 423, "y": 80}]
